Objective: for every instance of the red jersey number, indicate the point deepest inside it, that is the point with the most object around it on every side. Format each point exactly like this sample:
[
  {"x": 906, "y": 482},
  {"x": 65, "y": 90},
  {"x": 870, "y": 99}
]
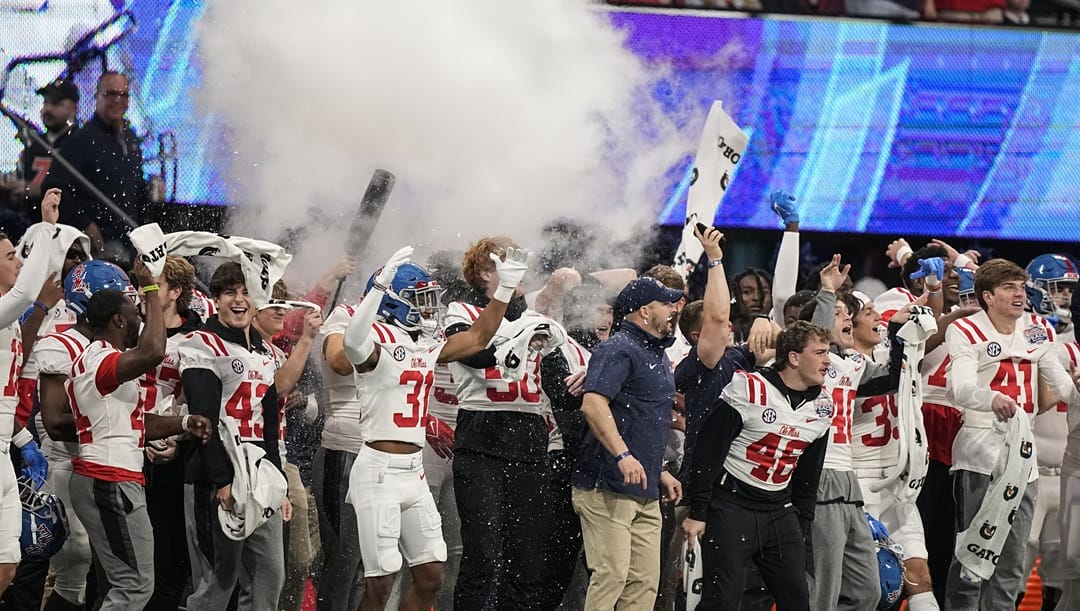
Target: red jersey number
[
  {"x": 1013, "y": 379},
  {"x": 844, "y": 399},
  {"x": 770, "y": 466},
  {"x": 11, "y": 389},
  {"x": 514, "y": 389},
  {"x": 417, "y": 398},
  {"x": 885, "y": 406},
  {"x": 239, "y": 408}
]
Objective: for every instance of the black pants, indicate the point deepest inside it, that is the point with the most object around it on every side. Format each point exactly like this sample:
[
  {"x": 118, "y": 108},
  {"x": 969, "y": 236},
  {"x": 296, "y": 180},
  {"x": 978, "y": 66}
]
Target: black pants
[
  {"x": 503, "y": 530},
  {"x": 27, "y": 588},
  {"x": 735, "y": 536},
  {"x": 165, "y": 504},
  {"x": 938, "y": 511},
  {"x": 563, "y": 546}
]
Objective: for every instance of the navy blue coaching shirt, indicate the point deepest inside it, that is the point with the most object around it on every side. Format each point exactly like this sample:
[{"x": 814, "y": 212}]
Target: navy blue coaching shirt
[{"x": 632, "y": 371}]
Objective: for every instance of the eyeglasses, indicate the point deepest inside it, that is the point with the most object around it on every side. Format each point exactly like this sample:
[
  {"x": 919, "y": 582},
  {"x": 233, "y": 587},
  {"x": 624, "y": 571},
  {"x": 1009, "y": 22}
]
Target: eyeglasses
[{"x": 116, "y": 93}]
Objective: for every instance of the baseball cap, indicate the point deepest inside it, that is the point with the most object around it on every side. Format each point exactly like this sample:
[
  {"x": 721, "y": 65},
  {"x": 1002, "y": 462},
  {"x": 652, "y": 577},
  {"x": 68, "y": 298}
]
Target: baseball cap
[
  {"x": 643, "y": 291},
  {"x": 61, "y": 90}
]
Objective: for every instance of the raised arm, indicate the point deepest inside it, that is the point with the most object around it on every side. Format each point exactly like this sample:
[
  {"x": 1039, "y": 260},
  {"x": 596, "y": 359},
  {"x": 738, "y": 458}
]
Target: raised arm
[
  {"x": 150, "y": 350},
  {"x": 786, "y": 273},
  {"x": 288, "y": 376},
  {"x": 716, "y": 311},
  {"x": 358, "y": 344},
  {"x": 35, "y": 269},
  {"x": 467, "y": 343}
]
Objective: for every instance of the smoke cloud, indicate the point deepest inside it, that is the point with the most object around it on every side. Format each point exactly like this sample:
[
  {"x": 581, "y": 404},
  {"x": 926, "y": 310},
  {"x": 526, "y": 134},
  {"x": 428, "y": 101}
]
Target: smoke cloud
[{"x": 497, "y": 118}]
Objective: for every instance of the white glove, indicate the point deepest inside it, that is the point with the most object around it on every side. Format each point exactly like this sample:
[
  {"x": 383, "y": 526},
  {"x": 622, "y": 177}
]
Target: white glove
[
  {"x": 386, "y": 273},
  {"x": 511, "y": 272}
]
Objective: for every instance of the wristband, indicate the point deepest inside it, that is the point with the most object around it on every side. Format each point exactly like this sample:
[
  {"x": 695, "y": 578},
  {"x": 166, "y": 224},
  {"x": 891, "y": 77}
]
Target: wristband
[
  {"x": 936, "y": 291},
  {"x": 932, "y": 286},
  {"x": 622, "y": 456},
  {"x": 504, "y": 294},
  {"x": 149, "y": 288},
  {"x": 184, "y": 422},
  {"x": 962, "y": 261},
  {"x": 901, "y": 254},
  {"x": 377, "y": 286},
  {"x": 41, "y": 306},
  {"x": 22, "y": 438},
  {"x": 715, "y": 263}
]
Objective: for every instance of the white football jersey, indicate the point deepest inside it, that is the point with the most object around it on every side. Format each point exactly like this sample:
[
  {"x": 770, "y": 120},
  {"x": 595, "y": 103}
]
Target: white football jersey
[
  {"x": 842, "y": 382},
  {"x": 983, "y": 363},
  {"x": 10, "y": 366},
  {"x": 58, "y": 320},
  {"x": 108, "y": 417},
  {"x": 773, "y": 435},
  {"x": 245, "y": 377},
  {"x": 578, "y": 359},
  {"x": 159, "y": 389},
  {"x": 341, "y": 428},
  {"x": 485, "y": 389},
  {"x": 395, "y": 394},
  {"x": 54, "y": 355},
  {"x": 875, "y": 430},
  {"x": 444, "y": 402},
  {"x": 1051, "y": 427}
]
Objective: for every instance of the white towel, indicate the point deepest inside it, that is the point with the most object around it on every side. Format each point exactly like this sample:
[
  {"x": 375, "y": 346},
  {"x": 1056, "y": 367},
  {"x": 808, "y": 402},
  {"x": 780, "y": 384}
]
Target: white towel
[
  {"x": 513, "y": 342},
  {"x": 258, "y": 486},
  {"x": 906, "y": 478},
  {"x": 977, "y": 546},
  {"x": 263, "y": 263},
  {"x": 149, "y": 242}
]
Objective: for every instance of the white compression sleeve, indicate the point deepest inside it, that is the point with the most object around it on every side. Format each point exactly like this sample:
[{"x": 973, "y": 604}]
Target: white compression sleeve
[
  {"x": 786, "y": 274},
  {"x": 357, "y": 341},
  {"x": 32, "y": 275}
]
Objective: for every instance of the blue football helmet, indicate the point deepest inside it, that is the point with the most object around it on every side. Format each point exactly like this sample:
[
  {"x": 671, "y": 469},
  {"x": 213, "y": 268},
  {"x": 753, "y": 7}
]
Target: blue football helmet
[
  {"x": 1049, "y": 276},
  {"x": 967, "y": 287},
  {"x": 87, "y": 278},
  {"x": 413, "y": 301},
  {"x": 44, "y": 523},
  {"x": 890, "y": 564}
]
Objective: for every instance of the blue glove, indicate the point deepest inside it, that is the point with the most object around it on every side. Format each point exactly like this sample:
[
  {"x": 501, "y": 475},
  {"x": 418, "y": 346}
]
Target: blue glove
[
  {"x": 37, "y": 466},
  {"x": 933, "y": 266},
  {"x": 784, "y": 207},
  {"x": 877, "y": 529}
]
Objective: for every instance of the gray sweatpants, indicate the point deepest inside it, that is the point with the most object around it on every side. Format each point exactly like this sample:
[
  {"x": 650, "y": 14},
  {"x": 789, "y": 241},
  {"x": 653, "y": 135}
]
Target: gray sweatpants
[
  {"x": 118, "y": 526},
  {"x": 340, "y": 581},
  {"x": 1000, "y": 591},
  {"x": 218, "y": 563},
  {"x": 844, "y": 555}
]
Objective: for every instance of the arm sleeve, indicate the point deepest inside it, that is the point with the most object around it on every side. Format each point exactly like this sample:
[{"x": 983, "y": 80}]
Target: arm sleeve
[
  {"x": 707, "y": 463},
  {"x": 565, "y": 407},
  {"x": 964, "y": 373},
  {"x": 358, "y": 343},
  {"x": 786, "y": 274},
  {"x": 34, "y": 272},
  {"x": 825, "y": 313},
  {"x": 883, "y": 378},
  {"x": 202, "y": 388},
  {"x": 481, "y": 360},
  {"x": 805, "y": 477}
]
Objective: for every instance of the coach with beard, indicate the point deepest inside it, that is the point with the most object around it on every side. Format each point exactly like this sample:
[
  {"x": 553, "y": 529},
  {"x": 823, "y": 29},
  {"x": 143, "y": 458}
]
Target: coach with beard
[{"x": 629, "y": 392}]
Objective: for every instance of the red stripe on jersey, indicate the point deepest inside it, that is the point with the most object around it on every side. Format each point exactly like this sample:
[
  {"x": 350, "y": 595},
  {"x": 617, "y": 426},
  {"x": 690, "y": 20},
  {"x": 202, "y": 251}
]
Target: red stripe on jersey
[
  {"x": 970, "y": 324},
  {"x": 580, "y": 354},
  {"x": 209, "y": 344},
  {"x": 379, "y": 332},
  {"x": 105, "y": 472},
  {"x": 68, "y": 343},
  {"x": 472, "y": 311},
  {"x": 220, "y": 344},
  {"x": 963, "y": 329},
  {"x": 755, "y": 389},
  {"x": 1074, "y": 352},
  {"x": 390, "y": 337},
  {"x": 105, "y": 377}
]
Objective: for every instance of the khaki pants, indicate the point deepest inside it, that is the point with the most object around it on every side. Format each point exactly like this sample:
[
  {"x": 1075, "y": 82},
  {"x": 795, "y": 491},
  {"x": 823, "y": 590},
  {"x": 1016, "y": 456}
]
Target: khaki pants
[
  {"x": 622, "y": 549},
  {"x": 303, "y": 542}
]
